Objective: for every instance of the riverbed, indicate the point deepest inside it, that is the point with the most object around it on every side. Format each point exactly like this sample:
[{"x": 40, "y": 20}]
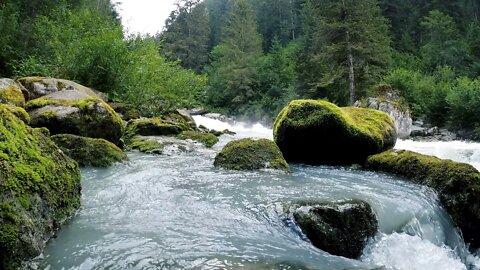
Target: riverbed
[{"x": 177, "y": 211}]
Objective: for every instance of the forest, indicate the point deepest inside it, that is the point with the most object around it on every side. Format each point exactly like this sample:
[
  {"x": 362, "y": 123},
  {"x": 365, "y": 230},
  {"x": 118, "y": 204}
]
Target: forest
[{"x": 248, "y": 58}]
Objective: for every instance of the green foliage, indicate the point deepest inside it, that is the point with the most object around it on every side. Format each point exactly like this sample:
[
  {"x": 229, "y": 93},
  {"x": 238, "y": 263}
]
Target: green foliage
[{"x": 464, "y": 103}]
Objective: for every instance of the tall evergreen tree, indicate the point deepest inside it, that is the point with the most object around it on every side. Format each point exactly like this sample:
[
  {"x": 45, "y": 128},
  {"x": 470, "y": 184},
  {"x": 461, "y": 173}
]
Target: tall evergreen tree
[
  {"x": 233, "y": 72},
  {"x": 187, "y": 33},
  {"x": 350, "y": 44}
]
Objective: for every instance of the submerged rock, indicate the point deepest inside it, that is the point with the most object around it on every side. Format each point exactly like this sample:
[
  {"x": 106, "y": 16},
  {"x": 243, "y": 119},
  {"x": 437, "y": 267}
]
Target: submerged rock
[
  {"x": 74, "y": 112},
  {"x": 457, "y": 184},
  {"x": 249, "y": 154},
  {"x": 340, "y": 228},
  {"x": 37, "y": 87},
  {"x": 39, "y": 189},
  {"x": 391, "y": 103},
  {"x": 90, "y": 151},
  {"x": 11, "y": 93},
  {"x": 318, "y": 132}
]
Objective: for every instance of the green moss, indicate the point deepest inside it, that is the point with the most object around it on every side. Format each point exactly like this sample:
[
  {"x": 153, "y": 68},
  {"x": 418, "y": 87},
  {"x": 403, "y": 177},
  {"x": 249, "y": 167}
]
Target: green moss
[
  {"x": 152, "y": 127},
  {"x": 90, "y": 151},
  {"x": 146, "y": 146},
  {"x": 12, "y": 95},
  {"x": 206, "y": 139},
  {"x": 39, "y": 188},
  {"x": 319, "y": 132},
  {"x": 249, "y": 154},
  {"x": 457, "y": 184},
  {"x": 95, "y": 119},
  {"x": 20, "y": 113}
]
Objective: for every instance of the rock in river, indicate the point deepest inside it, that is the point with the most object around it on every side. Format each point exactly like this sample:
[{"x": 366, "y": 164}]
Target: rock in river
[
  {"x": 340, "y": 228},
  {"x": 250, "y": 154}
]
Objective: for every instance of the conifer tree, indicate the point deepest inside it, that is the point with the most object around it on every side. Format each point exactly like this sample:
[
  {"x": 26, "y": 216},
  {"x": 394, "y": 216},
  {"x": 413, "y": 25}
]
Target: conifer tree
[
  {"x": 349, "y": 45},
  {"x": 233, "y": 72}
]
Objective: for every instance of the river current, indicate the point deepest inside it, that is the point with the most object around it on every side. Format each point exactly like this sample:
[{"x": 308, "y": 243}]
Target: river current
[{"x": 179, "y": 212}]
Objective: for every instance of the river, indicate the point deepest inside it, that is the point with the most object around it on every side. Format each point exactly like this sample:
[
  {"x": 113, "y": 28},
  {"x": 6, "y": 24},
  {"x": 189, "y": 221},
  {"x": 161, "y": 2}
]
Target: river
[{"x": 178, "y": 212}]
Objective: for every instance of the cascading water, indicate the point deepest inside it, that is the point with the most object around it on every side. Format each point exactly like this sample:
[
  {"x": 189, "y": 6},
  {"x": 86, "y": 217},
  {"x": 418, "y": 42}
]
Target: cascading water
[{"x": 178, "y": 211}]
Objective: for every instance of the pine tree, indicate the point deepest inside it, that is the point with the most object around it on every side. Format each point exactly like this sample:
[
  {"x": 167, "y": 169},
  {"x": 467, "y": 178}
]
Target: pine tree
[
  {"x": 187, "y": 35},
  {"x": 349, "y": 44},
  {"x": 233, "y": 72}
]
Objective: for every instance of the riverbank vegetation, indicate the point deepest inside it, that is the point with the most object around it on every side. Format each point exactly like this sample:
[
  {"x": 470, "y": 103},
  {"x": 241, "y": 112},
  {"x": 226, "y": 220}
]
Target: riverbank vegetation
[{"x": 249, "y": 58}]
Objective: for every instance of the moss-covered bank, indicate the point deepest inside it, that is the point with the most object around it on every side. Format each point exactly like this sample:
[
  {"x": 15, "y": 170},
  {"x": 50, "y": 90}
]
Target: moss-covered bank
[
  {"x": 457, "y": 184},
  {"x": 89, "y": 151},
  {"x": 318, "y": 132},
  {"x": 249, "y": 154},
  {"x": 39, "y": 189}
]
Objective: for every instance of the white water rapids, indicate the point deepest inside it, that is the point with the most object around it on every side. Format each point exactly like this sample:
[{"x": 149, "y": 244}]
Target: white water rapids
[{"x": 179, "y": 212}]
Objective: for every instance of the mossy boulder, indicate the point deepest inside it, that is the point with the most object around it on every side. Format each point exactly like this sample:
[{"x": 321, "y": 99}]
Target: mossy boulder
[
  {"x": 11, "y": 93},
  {"x": 149, "y": 146},
  {"x": 340, "y": 228},
  {"x": 250, "y": 154},
  {"x": 154, "y": 127},
  {"x": 318, "y": 132},
  {"x": 89, "y": 151},
  {"x": 39, "y": 189},
  {"x": 457, "y": 185},
  {"x": 74, "y": 112},
  {"x": 36, "y": 87},
  {"x": 19, "y": 112},
  {"x": 206, "y": 139}
]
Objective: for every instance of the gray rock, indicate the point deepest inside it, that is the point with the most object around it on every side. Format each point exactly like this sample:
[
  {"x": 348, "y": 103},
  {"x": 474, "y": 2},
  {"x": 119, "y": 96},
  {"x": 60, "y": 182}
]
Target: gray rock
[
  {"x": 37, "y": 87},
  {"x": 11, "y": 93},
  {"x": 400, "y": 114}
]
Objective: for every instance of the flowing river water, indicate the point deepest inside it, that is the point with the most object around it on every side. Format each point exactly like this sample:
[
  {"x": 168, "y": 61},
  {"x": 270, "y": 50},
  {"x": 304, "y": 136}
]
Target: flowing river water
[{"x": 179, "y": 212}]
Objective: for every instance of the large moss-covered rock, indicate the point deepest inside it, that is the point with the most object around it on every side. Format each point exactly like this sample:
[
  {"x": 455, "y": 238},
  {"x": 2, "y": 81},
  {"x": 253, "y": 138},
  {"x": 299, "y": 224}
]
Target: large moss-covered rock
[
  {"x": 250, "y": 154},
  {"x": 11, "y": 93},
  {"x": 39, "y": 189},
  {"x": 341, "y": 228},
  {"x": 154, "y": 127},
  {"x": 37, "y": 87},
  {"x": 74, "y": 112},
  {"x": 318, "y": 132},
  {"x": 89, "y": 151},
  {"x": 457, "y": 185}
]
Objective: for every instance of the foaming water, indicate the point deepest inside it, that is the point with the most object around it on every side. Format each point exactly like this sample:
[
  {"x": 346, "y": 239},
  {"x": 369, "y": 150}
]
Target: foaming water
[
  {"x": 179, "y": 212},
  {"x": 243, "y": 130},
  {"x": 467, "y": 152}
]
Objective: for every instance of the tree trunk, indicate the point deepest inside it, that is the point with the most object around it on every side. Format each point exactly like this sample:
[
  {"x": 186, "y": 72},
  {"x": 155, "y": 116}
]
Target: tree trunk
[{"x": 351, "y": 71}]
